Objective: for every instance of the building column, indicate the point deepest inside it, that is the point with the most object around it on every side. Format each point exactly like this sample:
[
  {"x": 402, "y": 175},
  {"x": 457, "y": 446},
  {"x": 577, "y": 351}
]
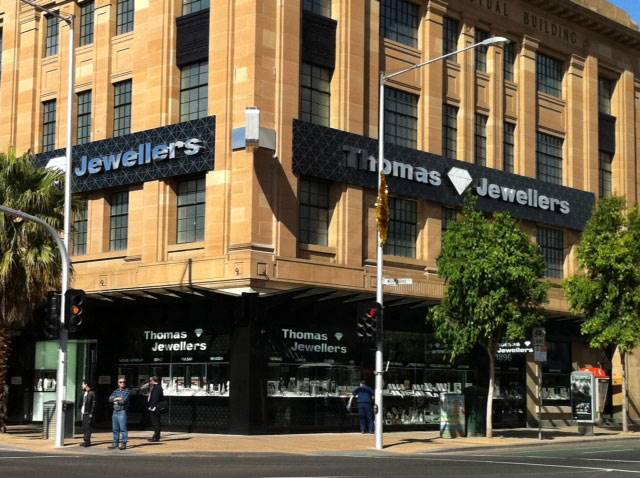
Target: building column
[
  {"x": 29, "y": 60},
  {"x": 589, "y": 126},
  {"x": 624, "y": 165},
  {"x": 467, "y": 112},
  {"x": 495, "y": 124},
  {"x": 527, "y": 100},
  {"x": 102, "y": 117},
  {"x": 573, "y": 172}
]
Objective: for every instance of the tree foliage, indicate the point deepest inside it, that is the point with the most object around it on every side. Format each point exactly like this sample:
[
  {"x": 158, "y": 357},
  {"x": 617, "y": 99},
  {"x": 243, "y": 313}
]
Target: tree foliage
[
  {"x": 492, "y": 271},
  {"x": 607, "y": 292}
]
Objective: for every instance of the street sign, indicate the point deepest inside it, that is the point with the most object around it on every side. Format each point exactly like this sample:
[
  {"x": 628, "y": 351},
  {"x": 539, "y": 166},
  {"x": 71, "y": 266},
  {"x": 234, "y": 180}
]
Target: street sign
[
  {"x": 540, "y": 356},
  {"x": 539, "y": 336},
  {"x": 393, "y": 281}
]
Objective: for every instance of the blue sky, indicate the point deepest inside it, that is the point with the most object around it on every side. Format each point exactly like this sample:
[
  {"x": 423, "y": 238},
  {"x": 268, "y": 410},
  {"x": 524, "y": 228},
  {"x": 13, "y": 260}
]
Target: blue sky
[{"x": 631, "y": 6}]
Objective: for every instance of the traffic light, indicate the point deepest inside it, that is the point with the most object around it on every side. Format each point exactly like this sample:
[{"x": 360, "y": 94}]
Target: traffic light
[
  {"x": 74, "y": 305},
  {"x": 368, "y": 315},
  {"x": 52, "y": 316}
]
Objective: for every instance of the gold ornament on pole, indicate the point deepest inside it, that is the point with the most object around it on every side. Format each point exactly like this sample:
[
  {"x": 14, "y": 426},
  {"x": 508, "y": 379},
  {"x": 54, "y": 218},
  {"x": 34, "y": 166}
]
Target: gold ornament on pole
[{"x": 382, "y": 209}]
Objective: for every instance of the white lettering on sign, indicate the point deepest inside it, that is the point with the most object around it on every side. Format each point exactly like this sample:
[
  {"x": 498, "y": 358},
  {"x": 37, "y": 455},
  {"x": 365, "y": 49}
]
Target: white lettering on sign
[
  {"x": 180, "y": 346},
  {"x": 322, "y": 347}
]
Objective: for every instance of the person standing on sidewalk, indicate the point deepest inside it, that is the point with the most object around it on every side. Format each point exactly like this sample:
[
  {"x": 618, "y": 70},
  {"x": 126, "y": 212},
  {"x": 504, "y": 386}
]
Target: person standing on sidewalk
[
  {"x": 364, "y": 397},
  {"x": 120, "y": 400},
  {"x": 86, "y": 411},
  {"x": 156, "y": 395}
]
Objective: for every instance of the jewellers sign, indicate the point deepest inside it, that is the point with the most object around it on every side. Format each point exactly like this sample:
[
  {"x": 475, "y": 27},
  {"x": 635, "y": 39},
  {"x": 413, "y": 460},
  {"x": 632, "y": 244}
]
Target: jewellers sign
[
  {"x": 172, "y": 150},
  {"x": 344, "y": 157}
]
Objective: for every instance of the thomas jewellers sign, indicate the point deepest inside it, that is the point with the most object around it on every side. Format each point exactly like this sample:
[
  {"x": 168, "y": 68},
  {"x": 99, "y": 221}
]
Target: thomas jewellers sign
[
  {"x": 172, "y": 150},
  {"x": 349, "y": 158}
]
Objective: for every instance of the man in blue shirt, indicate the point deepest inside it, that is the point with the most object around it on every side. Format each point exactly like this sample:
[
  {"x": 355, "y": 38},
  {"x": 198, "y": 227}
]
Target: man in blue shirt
[
  {"x": 120, "y": 400},
  {"x": 364, "y": 397}
]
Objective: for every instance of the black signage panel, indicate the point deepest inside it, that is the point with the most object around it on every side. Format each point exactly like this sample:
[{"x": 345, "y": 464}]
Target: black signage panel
[
  {"x": 173, "y": 150},
  {"x": 349, "y": 158}
]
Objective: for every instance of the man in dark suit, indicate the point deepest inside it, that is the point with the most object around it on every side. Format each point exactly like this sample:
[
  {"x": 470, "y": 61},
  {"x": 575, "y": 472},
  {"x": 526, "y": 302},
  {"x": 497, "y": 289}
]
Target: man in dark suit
[
  {"x": 155, "y": 397},
  {"x": 87, "y": 411}
]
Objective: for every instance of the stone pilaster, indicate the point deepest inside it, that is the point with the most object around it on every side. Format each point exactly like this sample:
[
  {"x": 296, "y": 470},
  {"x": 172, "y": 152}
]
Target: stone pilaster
[{"x": 527, "y": 94}]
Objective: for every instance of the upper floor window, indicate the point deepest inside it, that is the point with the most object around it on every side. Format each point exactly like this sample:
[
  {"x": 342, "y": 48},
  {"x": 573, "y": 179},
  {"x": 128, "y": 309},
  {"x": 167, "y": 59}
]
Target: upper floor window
[
  {"x": 481, "y": 51},
  {"x": 122, "y": 108},
  {"x": 605, "y": 93},
  {"x": 509, "y": 59},
  {"x": 450, "y": 34},
  {"x": 80, "y": 221},
  {"x": 87, "y": 10},
  {"x": 403, "y": 227},
  {"x": 551, "y": 242},
  {"x": 119, "y": 221},
  {"x": 321, "y": 7},
  {"x": 124, "y": 16},
  {"x": 192, "y": 6},
  {"x": 83, "y": 123},
  {"x": 549, "y": 75},
  {"x": 450, "y": 132},
  {"x": 194, "y": 82},
  {"x": 400, "y": 118},
  {"x": 549, "y": 158},
  {"x": 315, "y": 94},
  {"x": 314, "y": 212},
  {"x": 449, "y": 215},
  {"x": 481, "y": 140},
  {"x": 400, "y": 21},
  {"x": 51, "y": 38},
  {"x": 48, "y": 125},
  {"x": 605, "y": 176},
  {"x": 191, "y": 207},
  {"x": 509, "y": 147}
]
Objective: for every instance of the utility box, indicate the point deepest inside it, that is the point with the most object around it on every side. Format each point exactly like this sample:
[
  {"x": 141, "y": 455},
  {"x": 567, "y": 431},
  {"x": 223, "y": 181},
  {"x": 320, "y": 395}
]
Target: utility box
[
  {"x": 475, "y": 400},
  {"x": 49, "y": 424}
]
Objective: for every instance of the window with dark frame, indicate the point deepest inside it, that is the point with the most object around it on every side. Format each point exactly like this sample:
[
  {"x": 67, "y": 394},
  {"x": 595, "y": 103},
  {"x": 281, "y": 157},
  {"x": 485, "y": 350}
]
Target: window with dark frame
[
  {"x": 509, "y": 61},
  {"x": 124, "y": 16},
  {"x": 400, "y": 20},
  {"x": 121, "y": 108},
  {"x": 87, "y": 10},
  {"x": 192, "y": 6},
  {"x": 481, "y": 51},
  {"x": 80, "y": 222},
  {"x": 449, "y": 215},
  {"x": 403, "y": 227},
  {"x": 481, "y": 139},
  {"x": 549, "y": 73},
  {"x": 119, "y": 221},
  {"x": 605, "y": 175},
  {"x": 191, "y": 197},
  {"x": 605, "y": 93},
  {"x": 313, "y": 212},
  {"x": 509, "y": 147},
  {"x": 450, "y": 132},
  {"x": 450, "y": 33},
  {"x": 48, "y": 125},
  {"x": 51, "y": 37},
  {"x": 194, "y": 84},
  {"x": 315, "y": 94},
  {"x": 549, "y": 158},
  {"x": 551, "y": 242},
  {"x": 83, "y": 121},
  {"x": 400, "y": 118},
  {"x": 319, "y": 7}
]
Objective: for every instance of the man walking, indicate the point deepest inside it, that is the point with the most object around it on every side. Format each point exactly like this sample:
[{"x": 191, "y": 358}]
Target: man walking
[
  {"x": 86, "y": 411},
  {"x": 120, "y": 400},
  {"x": 364, "y": 396},
  {"x": 156, "y": 395}
]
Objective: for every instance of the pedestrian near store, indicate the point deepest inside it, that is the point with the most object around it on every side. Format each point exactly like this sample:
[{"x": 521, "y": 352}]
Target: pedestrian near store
[
  {"x": 156, "y": 396},
  {"x": 87, "y": 412},
  {"x": 120, "y": 400},
  {"x": 364, "y": 397}
]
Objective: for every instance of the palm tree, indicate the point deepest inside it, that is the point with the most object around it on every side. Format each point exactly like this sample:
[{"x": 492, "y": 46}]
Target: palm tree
[{"x": 29, "y": 261}]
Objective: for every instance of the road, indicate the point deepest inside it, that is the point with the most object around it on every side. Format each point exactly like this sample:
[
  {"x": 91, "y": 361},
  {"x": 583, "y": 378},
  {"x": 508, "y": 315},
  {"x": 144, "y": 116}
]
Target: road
[{"x": 610, "y": 458}]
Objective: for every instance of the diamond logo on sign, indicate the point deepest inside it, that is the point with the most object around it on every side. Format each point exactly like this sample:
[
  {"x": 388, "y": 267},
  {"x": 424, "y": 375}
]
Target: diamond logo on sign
[
  {"x": 460, "y": 178},
  {"x": 338, "y": 335},
  {"x": 198, "y": 332}
]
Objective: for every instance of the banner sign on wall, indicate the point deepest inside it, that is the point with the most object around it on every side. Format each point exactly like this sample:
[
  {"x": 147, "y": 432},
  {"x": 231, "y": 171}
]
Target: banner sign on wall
[
  {"x": 349, "y": 158},
  {"x": 172, "y": 150}
]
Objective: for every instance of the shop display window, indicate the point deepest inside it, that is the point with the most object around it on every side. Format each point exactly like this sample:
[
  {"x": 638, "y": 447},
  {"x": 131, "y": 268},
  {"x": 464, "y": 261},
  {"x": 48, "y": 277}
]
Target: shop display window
[
  {"x": 509, "y": 406},
  {"x": 556, "y": 374},
  {"x": 311, "y": 379},
  {"x": 45, "y": 381}
]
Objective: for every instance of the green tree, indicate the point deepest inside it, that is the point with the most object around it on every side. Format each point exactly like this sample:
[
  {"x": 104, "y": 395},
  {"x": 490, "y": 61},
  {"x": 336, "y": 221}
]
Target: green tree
[
  {"x": 492, "y": 271},
  {"x": 607, "y": 291},
  {"x": 29, "y": 261}
]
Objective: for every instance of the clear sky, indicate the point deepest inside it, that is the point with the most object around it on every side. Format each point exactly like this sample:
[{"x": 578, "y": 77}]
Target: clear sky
[{"x": 631, "y": 6}]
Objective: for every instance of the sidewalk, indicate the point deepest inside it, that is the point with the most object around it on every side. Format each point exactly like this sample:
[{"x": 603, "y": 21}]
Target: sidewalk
[{"x": 28, "y": 439}]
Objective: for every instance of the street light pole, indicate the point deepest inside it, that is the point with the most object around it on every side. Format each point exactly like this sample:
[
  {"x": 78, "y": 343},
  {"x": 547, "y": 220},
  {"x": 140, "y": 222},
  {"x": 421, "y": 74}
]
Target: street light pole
[
  {"x": 379, "y": 258},
  {"x": 62, "y": 351}
]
